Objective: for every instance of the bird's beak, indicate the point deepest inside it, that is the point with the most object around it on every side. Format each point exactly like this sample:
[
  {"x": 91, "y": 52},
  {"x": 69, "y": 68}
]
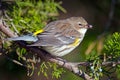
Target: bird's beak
[{"x": 88, "y": 26}]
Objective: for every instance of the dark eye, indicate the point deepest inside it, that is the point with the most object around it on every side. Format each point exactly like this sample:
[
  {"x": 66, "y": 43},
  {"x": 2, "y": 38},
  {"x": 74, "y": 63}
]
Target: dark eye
[{"x": 80, "y": 24}]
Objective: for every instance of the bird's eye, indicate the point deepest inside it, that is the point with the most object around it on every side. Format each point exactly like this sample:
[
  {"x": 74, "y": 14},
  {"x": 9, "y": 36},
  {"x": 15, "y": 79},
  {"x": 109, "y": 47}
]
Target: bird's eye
[{"x": 79, "y": 24}]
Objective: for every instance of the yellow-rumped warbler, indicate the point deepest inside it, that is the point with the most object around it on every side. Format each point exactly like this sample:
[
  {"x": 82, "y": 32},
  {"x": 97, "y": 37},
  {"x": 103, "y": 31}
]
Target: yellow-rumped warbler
[{"x": 59, "y": 37}]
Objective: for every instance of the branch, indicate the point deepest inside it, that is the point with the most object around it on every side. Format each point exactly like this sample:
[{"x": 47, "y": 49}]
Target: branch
[
  {"x": 6, "y": 30},
  {"x": 44, "y": 55},
  {"x": 109, "y": 63}
]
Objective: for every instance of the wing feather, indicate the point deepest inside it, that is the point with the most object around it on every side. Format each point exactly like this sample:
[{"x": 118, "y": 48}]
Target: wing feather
[{"x": 57, "y": 34}]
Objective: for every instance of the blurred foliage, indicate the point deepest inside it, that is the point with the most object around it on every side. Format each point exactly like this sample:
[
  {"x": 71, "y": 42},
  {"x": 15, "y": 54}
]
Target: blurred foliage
[
  {"x": 94, "y": 70},
  {"x": 112, "y": 47},
  {"x": 31, "y": 15},
  {"x": 55, "y": 71},
  {"x": 111, "y": 52}
]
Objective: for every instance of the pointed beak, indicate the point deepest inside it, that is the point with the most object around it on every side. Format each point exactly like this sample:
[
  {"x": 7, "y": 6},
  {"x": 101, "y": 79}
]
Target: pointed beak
[{"x": 88, "y": 26}]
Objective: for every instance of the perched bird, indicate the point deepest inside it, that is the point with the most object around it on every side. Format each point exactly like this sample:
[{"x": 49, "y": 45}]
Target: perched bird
[{"x": 58, "y": 37}]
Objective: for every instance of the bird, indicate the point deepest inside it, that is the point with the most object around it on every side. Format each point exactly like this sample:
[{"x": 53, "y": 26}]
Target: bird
[{"x": 59, "y": 37}]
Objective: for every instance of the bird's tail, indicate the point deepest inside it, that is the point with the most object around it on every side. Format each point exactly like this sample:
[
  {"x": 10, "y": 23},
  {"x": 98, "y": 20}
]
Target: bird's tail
[{"x": 23, "y": 38}]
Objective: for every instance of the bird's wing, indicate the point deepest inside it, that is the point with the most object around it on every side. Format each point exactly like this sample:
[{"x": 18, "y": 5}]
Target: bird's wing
[{"x": 56, "y": 34}]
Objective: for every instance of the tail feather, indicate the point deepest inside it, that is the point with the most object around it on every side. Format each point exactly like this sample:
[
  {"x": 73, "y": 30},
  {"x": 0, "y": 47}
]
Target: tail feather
[{"x": 23, "y": 38}]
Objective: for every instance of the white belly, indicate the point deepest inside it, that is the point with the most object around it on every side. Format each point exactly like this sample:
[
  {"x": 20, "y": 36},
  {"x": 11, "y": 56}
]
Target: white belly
[{"x": 59, "y": 51}]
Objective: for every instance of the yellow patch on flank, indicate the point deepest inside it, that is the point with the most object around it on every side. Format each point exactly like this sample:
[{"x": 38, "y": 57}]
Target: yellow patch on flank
[
  {"x": 38, "y": 32},
  {"x": 76, "y": 42}
]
